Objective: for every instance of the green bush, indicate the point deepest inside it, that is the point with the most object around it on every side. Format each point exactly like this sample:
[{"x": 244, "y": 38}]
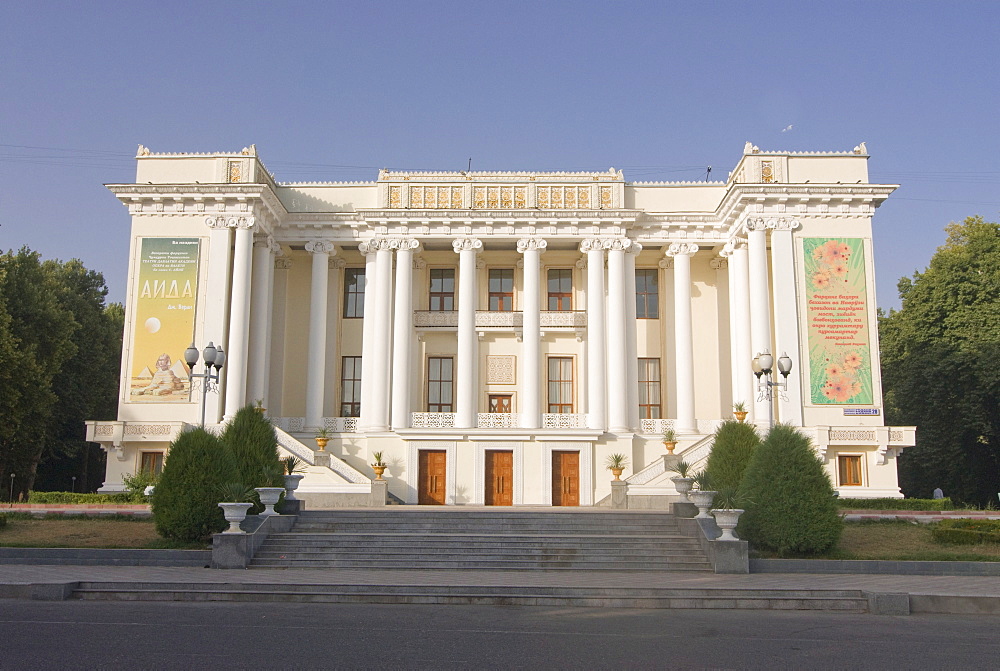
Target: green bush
[
  {"x": 136, "y": 484},
  {"x": 790, "y": 504},
  {"x": 966, "y": 532},
  {"x": 3, "y": 520},
  {"x": 80, "y": 498},
  {"x": 734, "y": 445},
  {"x": 254, "y": 445},
  {"x": 896, "y": 504},
  {"x": 186, "y": 502}
]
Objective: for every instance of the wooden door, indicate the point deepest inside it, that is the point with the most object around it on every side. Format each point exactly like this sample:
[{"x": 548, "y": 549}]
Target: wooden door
[
  {"x": 499, "y": 478},
  {"x": 500, "y": 403},
  {"x": 565, "y": 478},
  {"x": 432, "y": 477}
]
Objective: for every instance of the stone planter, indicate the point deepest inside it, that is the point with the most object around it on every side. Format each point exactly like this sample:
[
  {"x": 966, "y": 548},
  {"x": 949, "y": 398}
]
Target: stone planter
[
  {"x": 670, "y": 445},
  {"x": 379, "y": 470},
  {"x": 683, "y": 486},
  {"x": 291, "y": 484},
  {"x": 235, "y": 513},
  {"x": 617, "y": 472},
  {"x": 321, "y": 442},
  {"x": 703, "y": 500},
  {"x": 727, "y": 519},
  {"x": 740, "y": 415},
  {"x": 268, "y": 497}
]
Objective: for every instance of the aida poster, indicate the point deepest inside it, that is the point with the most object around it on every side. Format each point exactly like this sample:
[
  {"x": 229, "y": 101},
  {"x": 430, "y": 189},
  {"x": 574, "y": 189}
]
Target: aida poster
[
  {"x": 164, "y": 319},
  {"x": 840, "y": 370}
]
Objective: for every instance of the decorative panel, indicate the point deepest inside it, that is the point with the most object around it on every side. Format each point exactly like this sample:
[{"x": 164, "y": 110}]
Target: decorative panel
[{"x": 500, "y": 369}]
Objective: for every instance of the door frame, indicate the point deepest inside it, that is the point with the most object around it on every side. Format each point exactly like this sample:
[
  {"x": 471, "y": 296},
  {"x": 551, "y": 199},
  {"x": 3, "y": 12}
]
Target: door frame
[
  {"x": 413, "y": 469},
  {"x": 586, "y": 451},
  {"x": 479, "y": 495}
]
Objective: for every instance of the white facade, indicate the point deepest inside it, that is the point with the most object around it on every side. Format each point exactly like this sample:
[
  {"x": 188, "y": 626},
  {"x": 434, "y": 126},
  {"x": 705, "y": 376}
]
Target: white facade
[{"x": 497, "y": 335}]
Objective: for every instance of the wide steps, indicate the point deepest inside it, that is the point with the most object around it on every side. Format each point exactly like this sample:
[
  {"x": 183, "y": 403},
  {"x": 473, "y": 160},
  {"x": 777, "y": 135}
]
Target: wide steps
[{"x": 606, "y": 597}]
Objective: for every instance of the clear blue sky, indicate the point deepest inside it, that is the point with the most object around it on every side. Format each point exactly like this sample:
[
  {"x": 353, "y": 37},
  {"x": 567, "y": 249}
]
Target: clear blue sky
[{"x": 336, "y": 90}]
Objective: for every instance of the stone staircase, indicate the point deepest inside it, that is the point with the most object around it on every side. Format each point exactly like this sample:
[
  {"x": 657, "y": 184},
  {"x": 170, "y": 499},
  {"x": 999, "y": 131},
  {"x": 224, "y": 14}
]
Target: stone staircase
[{"x": 484, "y": 538}]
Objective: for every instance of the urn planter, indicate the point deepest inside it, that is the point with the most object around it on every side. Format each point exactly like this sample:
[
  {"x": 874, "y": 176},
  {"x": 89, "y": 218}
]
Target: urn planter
[
  {"x": 617, "y": 472},
  {"x": 268, "y": 497},
  {"x": 379, "y": 470},
  {"x": 291, "y": 484},
  {"x": 321, "y": 442},
  {"x": 727, "y": 519},
  {"x": 683, "y": 486},
  {"x": 740, "y": 415},
  {"x": 234, "y": 514},
  {"x": 670, "y": 445},
  {"x": 703, "y": 500}
]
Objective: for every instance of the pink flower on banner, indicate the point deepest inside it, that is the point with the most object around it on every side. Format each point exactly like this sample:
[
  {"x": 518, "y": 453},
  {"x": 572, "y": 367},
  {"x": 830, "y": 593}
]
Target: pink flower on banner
[
  {"x": 821, "y": 279},
  {"x": 853, "y": 360}
]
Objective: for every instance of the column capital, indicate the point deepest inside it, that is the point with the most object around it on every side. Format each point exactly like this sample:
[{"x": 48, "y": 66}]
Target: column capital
[
  {"x": 719, "y": 263},
  {"x": 264, "y": 241},
  {"x": 419, "y": 263},
  {"x": 282, "y": 263},
  {"x": 634, "y": 248},
  {"x": 275, "y": 247},
  {"x": 531, "y": 245},
  {"x": 783, "y": 224},
  {"x": 336, "y": 263},
  {"x": 320, "y": 247},
  {"x": 681, "y": 249},
  {"x": 731, "y": 247},
  {"x": 610, "y": 244},
  {"x": 245, "y": 223},
  {"x": 467, "y": 245},
  {"x": 756, "y": 224}
]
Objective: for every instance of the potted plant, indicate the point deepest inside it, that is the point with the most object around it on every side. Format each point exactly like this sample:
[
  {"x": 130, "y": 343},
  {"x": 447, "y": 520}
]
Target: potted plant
[
  {"x": 269, "y": 496},
  {"x": 258, "y": 405},
  {"x": 740, "y": 410},
  {"x": 616, "y": 463},
  {"x": 293, "y": 476},
  {"x": 378, "y": 465},
  {"x": 703, "y": 495},
  {"x": 727, "y": 511},
  {"x": 237, "y": 501},
  {"x": 682, "y": 482},
  {"x": 669, "y": 440},
  {"x": 322, "y": 438}
]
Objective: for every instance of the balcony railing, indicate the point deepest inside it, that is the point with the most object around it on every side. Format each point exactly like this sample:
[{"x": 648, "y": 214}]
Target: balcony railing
[
  {"x": 435, "y": 318},
  {"x": 498, "y": 420},
  {"x": 552, "y": 420},
  {"x": 494, "y": 319},
  {"x": 563, "y": 319},
  {"x": 432, "y": 420},
  {"x": 334, "y": 424}
]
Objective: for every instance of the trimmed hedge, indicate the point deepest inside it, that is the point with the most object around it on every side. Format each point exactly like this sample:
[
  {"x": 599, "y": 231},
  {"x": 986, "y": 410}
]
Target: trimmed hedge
[
  {"x": 732, "y": 450},
  {"x": 896, "y": 504},
  {"x": 966, "y": 532},
  {"x": 79, "y": 498},
  {"x": 3, "y": 520}
]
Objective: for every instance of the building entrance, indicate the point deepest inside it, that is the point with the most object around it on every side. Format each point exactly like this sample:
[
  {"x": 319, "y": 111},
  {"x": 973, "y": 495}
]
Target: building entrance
[
  {"x": 431, "y": 477},
  {"x": 565, "y": 478},
  {"x": 499, "y": 478}
]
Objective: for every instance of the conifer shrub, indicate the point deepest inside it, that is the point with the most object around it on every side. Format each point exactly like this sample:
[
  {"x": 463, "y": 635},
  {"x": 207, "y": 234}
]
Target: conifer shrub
[
  {"x": 185, "y": 502},
  {"x": 253, "y": 443},
  {"x": 734, "y": 445},
  {"x": 791, "y": 508}
]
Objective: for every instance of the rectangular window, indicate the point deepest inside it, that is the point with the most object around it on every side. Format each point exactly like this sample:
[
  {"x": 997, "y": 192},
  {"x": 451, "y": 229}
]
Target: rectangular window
[
  {"x": 649, "y": 389},
  {"x": 560, "y": 384},
  {"x": 151, "y": 462},
  {"x": 440, "y": 397},
  {"x": 850, "y": 470},
  {"x": 501, "y": 289},
  {"x": 560, "y": 289},
  {"x": 647, "y": 294},
  {"x": 442, "y": 292},
  {"x": 354, "y": 293},
  {"x": 350, "y": 387}
]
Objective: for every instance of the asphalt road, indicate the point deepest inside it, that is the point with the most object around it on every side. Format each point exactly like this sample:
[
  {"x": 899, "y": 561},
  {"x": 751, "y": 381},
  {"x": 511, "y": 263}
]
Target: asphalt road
[{"x": 222, "y": 635}]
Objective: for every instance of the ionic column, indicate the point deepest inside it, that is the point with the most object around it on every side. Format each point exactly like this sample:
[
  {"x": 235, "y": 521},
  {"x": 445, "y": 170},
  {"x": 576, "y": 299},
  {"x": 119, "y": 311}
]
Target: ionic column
[
  {"x": 316, "y": 361},
  {"x": 596, "y": 354},
  {"x": 269, "y": 328},
  {"x": 786, "y": 319},
  {"x": 260, "y": 309},
  {"x": 760, "y": 299},
  {"x": 276, "y": 371},
  {"x": 531, "y": 359},
  {"x": 216, "y": 299},
  {"x": 632, "y": 371},
  {"x": 402, "y": 338},
  {"x": 683, "y": 338},
  {"x": 239, "y": 317},
  {"x": 617, "y": 350},
  {"x": 382, "y": 335},
  {"x": 467, "y": 361},
  {"x": 742, "y": 354},
  {"x": 368, "y": 382}
]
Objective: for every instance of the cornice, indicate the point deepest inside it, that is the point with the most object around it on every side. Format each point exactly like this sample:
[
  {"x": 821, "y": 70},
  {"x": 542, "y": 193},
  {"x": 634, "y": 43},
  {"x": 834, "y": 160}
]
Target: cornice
[{"x": 382, "y": 215}]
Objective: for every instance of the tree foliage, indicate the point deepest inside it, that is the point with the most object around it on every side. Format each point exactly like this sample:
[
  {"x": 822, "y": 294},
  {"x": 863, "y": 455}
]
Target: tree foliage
[
  {"x": 941, "y": 367},
  {"x": 253, "y": 443},
  {"x": 732, "y": 449},
  {"x": 790, "y": 504}
]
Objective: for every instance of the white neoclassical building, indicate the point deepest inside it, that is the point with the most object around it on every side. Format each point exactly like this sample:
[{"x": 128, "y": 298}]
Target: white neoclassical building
[{"x": 496, "y": 335}]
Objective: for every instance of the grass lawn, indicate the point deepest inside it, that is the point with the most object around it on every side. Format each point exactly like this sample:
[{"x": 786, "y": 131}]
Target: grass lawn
[
  {"x": 900, "y": 540},
  {"x": 23, "y": 531}
]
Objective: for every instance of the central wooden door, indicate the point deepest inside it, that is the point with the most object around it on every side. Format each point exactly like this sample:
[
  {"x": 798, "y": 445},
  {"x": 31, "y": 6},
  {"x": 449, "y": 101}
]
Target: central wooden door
[
  {"x": 431, "y": 477},
  {"x": 565, "y": 478},
  {"x": 499, "y": 478}
]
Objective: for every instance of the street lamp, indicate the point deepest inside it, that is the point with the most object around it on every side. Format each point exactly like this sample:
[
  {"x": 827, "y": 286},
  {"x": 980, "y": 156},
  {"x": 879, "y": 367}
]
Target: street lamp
[
  {"x": 763, "y": 365},
  {"x": 214, "y": 358}
]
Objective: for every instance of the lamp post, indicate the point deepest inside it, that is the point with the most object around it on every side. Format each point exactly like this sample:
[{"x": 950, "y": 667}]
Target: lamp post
[
  {"x": 214, "y": 358},
  {"x": 763, "y": 365},
  {"x": 12, "y": 489}
]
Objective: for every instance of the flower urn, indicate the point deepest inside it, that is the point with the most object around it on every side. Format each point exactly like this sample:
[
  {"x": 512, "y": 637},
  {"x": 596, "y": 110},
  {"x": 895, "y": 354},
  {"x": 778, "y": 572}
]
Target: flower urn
[
  {"x": 670, "y": 445},
  {"x": 268, "y": 497},
  {"x": 291, "y": 484},
  {"x": 703, "y": 500},
  {"x": 234, "y": 514},
  {"x": 617, "y": 472},
  {"x": 727, "y": 519},
  {"x": 379, "y": 470},
  {"x": 321, "y": 442},
  {"x": 740, "y": 415},
  {"x": 683, "y": 486}
]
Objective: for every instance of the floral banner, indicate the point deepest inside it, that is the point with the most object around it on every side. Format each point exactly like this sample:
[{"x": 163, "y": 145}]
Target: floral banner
[
  {"x": 840, "y": 370},
  {"x": 164, "y": 319}
]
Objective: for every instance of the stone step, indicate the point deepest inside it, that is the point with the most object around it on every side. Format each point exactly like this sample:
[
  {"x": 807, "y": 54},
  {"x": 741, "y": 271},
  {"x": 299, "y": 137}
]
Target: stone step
[
  {"x": 296, "y": 553},
  {"x": 606, "y": 597},
  {"x": 478, "y": 540},
  {"x": 508, "y": 564},
  {"x": 460, "y": 524}
]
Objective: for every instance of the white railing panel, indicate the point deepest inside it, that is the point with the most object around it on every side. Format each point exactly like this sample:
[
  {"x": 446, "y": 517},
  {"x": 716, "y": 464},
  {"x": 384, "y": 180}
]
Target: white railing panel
[
  {"x": 433, "y": 420},
  {"x": 498, "y": 420},
  {"x": 655, "y": 426},
  {"x": 563, "y": 319},
  {"x": 435, "y": 318},
  {"x": 553, "y": 420},
  {"x": 494, "y": 319}
]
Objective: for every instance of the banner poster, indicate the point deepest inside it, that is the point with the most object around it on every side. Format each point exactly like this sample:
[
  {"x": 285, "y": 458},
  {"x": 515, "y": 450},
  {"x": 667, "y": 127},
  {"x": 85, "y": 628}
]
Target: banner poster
[
  {"x": 164, "y": 320},
  {"x": 840, "y": 364}
]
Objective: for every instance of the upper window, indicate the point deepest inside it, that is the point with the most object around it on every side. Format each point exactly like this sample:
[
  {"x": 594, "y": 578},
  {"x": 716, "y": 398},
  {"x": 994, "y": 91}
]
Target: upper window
[
  {"x": 350, "y": 387},
  {"x": 849, "y": 467},
  {"x": 501, "y": 289},
  {"x": 354, "y": 293},
  {"x": 442, "y": 294},
  {"x": 647, "y": 294},
  {"x": 560, "y": 384},
  {"x": 560, "y": 289},
  {"x": 649, "y": 389},
  {"x": 439, "y": 384}
]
